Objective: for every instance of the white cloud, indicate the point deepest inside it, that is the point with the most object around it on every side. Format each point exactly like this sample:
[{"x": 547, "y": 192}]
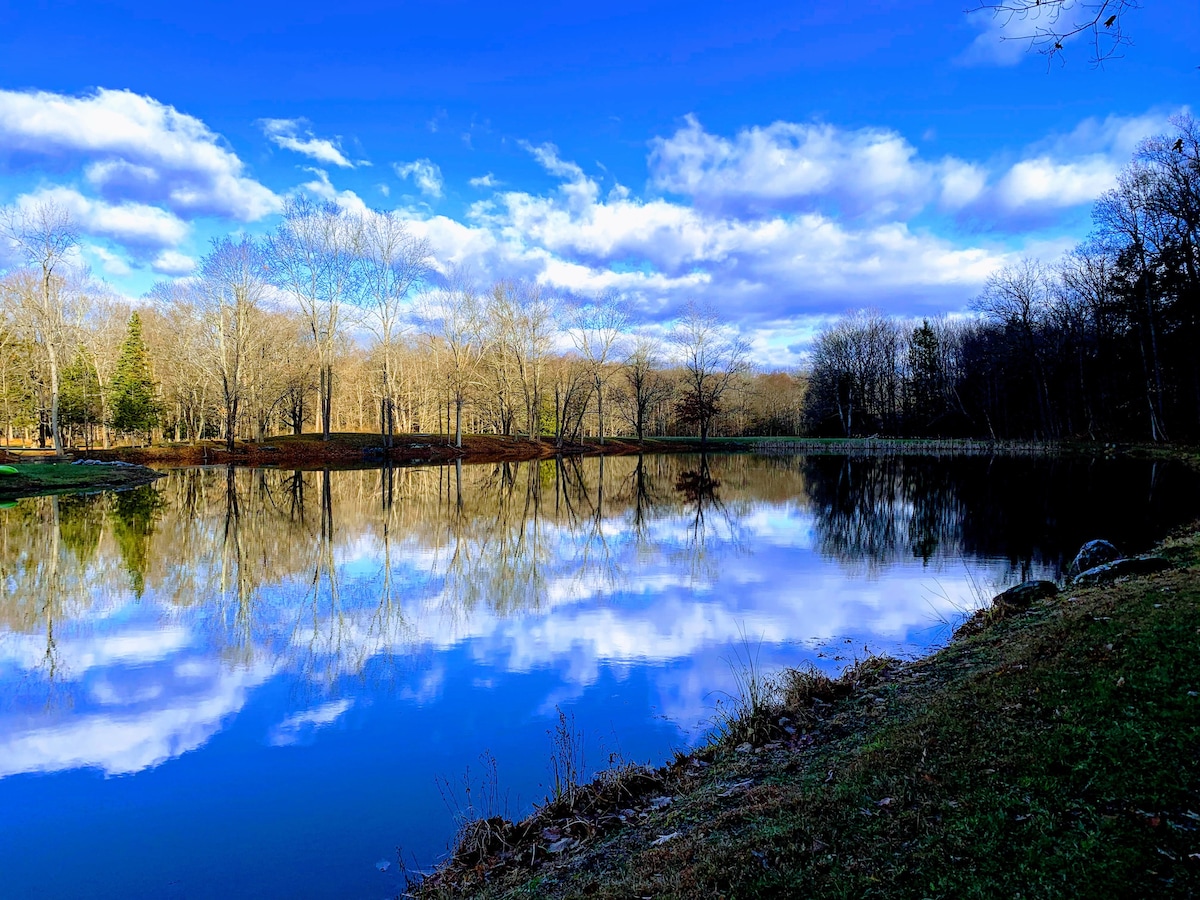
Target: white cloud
[
  {"x": 322, "y": 187},
  {"x": 484, "y": 181},
  {"x": 425, "y": 175},
  {"x": 136, "y": 225},
  {"x": 110, "y": 262},
  {"x": 1042, "y": 182},
  {"x": 135, "y": 150},
  {"x": 793, "y": 166},
  {"x": 286, "y": 133},
  {"x": 172, "y": 262}
]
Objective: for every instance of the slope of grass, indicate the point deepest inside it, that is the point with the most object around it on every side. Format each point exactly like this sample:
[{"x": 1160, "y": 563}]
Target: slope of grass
[
  {"x": 33, "y": 479},
  {"x": 1052, "y": 753}
]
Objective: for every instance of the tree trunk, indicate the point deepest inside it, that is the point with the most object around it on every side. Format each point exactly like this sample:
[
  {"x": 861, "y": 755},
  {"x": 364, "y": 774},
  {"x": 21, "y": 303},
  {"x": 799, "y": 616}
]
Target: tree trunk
[
  {"x": 54, "y": 427},
  {"x": 600, "y": 411}
]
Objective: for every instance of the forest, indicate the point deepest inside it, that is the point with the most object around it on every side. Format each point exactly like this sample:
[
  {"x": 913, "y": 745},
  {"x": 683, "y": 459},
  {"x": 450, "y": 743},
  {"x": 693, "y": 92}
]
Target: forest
[
  {"x": 343, "y": 321},
  {"x": 1101, "y": 344}
]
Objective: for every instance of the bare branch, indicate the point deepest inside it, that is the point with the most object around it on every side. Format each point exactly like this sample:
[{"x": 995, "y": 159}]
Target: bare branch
[{"x": 1047, "y": 25}]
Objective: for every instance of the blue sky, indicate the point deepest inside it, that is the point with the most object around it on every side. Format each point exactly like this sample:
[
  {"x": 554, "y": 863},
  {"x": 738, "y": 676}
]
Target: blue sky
[{"x": 782, "y": 162}]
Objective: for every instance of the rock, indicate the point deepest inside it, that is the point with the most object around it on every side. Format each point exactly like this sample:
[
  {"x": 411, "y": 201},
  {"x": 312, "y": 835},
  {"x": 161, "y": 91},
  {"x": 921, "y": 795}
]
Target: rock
[
  {"x": 560, "y": 845},
  {"x": 1023, "y": 594},
  {"x": 1092, "y": 554},
  {"x": 1120, "y": 568}
]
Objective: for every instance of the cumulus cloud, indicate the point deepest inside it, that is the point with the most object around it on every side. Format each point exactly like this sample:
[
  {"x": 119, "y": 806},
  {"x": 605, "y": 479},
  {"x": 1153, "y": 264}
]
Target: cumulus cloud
[
  {"x": 787, "y": 224},
  {"x": 424, "y": 174},
  {"x": 793, "y": 166},
  {"x": 134, "y": 149},
  {"x": 294, "y": 135},
  {"x": 322, "y": 187},
  {"x": 484, "y": 181},
  {"x": 111, "y": 263},
  {"x": 138, "y": 226},
  {"x": 172, "y": 262}
]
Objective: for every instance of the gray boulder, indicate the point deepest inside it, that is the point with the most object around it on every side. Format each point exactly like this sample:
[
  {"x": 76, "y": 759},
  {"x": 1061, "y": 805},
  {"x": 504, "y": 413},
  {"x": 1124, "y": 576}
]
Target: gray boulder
[
  {"x": 1120, "y": 568},
  {"x": 1024, "y": 594},
  {"x": 1092, "y": 554}
]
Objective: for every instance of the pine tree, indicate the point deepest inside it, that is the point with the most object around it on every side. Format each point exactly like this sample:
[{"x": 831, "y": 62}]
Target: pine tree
[
  {"x": 131, "y": 395},
  {"x": 79, "y": 395},
  {"x": 925, "y": 364}
]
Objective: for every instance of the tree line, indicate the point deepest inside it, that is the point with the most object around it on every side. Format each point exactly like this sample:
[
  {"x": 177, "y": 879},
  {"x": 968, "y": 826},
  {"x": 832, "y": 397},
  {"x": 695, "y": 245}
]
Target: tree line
[
  {"x": 340, "y": 320},
  {"x": 343, "y": 321},
  {"x": 1103, "y": 343}
]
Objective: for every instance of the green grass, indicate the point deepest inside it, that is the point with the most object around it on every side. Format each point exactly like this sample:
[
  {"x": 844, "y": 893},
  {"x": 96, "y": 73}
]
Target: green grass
[
  {"x": 1051, "y": 754},
  {"x": 34, "y": 479}
]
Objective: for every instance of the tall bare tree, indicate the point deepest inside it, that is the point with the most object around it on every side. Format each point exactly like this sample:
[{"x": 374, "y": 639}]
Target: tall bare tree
[
  {"x": 42, "y": 236},
  {"x": 523, "y": 316},
  {"x": 313, "y": 257},
  {"x": 647, "y": 383},
  {"x": 230, "y": 293},
  {"x": 711, "y": 358},
  {"x": 596, "y": 330},
  {"x": 393, "y": 263},
  {"x": 456, "y": 316}
]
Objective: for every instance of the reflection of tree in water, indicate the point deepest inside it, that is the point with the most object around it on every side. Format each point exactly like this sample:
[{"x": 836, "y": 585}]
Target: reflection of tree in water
[
  {"x": 711, "y": 523},
  {"x": 81, "y": 524},
  {"x": 326, "y": 571},
  {"x": 1030, "y": 511},
  {"x": 133, "y": 514}
]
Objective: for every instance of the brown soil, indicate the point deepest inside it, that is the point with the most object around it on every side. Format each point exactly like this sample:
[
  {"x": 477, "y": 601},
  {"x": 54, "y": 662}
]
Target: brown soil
[{"x": 309, "y": 451}]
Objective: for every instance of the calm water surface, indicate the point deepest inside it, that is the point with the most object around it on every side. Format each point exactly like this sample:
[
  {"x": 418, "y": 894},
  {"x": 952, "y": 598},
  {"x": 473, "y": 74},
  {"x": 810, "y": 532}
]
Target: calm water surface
[{"x": 252, "y": 683}]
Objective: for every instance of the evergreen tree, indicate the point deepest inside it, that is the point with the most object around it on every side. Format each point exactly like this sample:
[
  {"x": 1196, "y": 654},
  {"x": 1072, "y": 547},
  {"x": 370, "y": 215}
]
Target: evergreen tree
[
  {"x": 925, "y": 378},
  {"x": 131, "y": 396},
  {"x": 79, "y": 394}
]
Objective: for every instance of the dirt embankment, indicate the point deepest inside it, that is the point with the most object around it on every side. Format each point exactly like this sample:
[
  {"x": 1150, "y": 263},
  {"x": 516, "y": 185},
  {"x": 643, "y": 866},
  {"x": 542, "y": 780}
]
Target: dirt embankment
[{"x": 344, "y": 449}]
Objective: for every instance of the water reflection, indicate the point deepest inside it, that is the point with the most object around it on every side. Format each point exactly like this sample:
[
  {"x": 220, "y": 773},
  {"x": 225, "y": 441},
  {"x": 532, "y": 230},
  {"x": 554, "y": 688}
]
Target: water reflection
[{"x": 270, "y": 608}]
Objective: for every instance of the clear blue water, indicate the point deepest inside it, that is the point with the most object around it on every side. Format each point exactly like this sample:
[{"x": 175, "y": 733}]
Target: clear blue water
[{"x": 267, "y": 683}]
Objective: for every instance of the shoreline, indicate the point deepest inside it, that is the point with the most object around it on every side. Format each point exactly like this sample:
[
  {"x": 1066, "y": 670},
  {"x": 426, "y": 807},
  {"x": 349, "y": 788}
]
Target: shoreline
[
  {"x": 39, "y": 479},
  {"x": 924, "y": 778},
  {"x": 354, "y": 448},
  {"x": 366, "y": 449}
]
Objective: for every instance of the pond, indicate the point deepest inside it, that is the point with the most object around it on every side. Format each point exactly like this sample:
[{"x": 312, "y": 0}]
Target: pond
[{"x": 256, "y": 682}]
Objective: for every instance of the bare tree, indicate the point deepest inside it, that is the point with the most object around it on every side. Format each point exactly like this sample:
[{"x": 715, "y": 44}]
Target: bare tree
[
  {"x": 711, "y": 359},
  {"x": 648, "y": 385},
  {"x": 1047, "y": 25},
  {"x": 43, "y": 235},
  {"x": 456, "y": 315},
  {"x": 596, "y": 330},
  {"x": 524, "y": 317},
  {"x": 393, "y": 261},
  {"x": 313, "y": 257},
  {"x": 230, "y": 292}
]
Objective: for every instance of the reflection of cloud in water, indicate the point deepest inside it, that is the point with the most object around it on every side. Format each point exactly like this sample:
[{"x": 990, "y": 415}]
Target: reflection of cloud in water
[
  {"x": 152, "y": 727},
  {"x": 138, "y": 646},
  {"x": 530, "y": 575},
  {"x": 300, "y": 726}
]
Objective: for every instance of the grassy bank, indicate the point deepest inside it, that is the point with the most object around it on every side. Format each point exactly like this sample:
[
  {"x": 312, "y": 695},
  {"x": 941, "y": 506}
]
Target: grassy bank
[
  {"x": 34, "y": 479},
  {"x": 1046, "y": 753}
]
